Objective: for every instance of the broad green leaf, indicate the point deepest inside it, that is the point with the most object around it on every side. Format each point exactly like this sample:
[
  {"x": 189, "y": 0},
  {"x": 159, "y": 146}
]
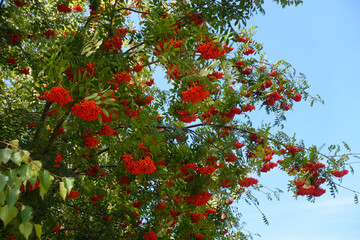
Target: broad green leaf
[
  {"x": 99, "y": 118},
  {"x": 36, "y": 167},
  {"x": 8, "y": 213},
  {"x": 109, "y": 100},
  {"x": 26, "y": 229},
  {"x": 106, "y": 113},
  {"x": 26, "y": 213},
  {"x": 24, "y": 172},
  {"x": 2, "y": 198},
  {"x": 108, "y": 93},
  {"x": 69, "y": 183},
  {"x": 63, "y": 192},
  {"x": 38, "y": 230},
  {"x": 45, "y": 182},
  {"x": 15, "y": 144},
  {"x": 12, "y": 196},
  {"x": 26, "y": 157},
  {"x": 5, "y": 155},
  {"x": 92, "y": 96},
  {"x": 17, "y": 157},
  {"x": 3, "y": 181},
  {"x": 105, "y": 70}
]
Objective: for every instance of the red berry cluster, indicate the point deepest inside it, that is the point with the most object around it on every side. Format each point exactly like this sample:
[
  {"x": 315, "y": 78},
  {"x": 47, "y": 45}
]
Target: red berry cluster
[
  {"x": 123, "y": 77},
  {"x": 144, "y": 166},
  {"x": 58, "y": 95},
  {"x": 232, "y": 112},
  {"x": 209, "y": 50},
  {"x": 107, "y": 131},
  {"x": 199, "y": 199},
  {"x": 49, "y": 33},
  {"x": 247, "y": 182},
  {"x": 195, "y": 94},
  {"x": 186, "y": 116},
  {"x": 310, "y": 191},
  {"x": 24, "y": 71},
  {"x": 63, "y": 8},
  {"x": 14, "y": 38},
  {"x": 340, "y": 173},
  {"x": 11, "y": 60},
  {"x": 195, "y": 217},
  {"x": 114, "y": 44},
  {"x": 19, "y": 3},
  {"x": 56, "y": 228},
  {"x": 150, "y": 236},
  {"x": 87, "y": 110},
  {"x": 73, "y": 194},
  {"x": 106, "y": 119},
  {"x": 30, "y": 187},
  {"x": 248, "y": 51},
  {"x": 90, "y": 142},
  {"x": 273, "y": 97},
  {"x": 58, "y": 159},
  {"x": 77, "y": 8},
  {"x": 175, "y": 44},
  {"x": 206, "y": 170}
]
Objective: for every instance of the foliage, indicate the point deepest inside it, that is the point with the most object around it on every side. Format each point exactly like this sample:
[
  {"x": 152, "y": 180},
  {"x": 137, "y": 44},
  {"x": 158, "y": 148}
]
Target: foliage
[{"x": 93, "y": 147}]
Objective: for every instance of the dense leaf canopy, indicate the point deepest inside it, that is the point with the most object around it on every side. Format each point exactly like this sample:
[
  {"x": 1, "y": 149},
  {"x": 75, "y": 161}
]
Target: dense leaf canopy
[{"x": 94, "y": 145}]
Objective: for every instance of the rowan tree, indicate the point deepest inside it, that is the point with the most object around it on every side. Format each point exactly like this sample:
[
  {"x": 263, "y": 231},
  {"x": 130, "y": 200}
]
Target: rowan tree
[{"x": 92, "y": 146}]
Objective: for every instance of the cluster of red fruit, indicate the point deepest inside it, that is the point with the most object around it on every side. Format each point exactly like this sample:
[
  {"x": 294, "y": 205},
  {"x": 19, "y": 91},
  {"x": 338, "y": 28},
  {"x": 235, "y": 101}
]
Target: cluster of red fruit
[
  {"x": 58, "y": 159},
  {"x": 195, "y": 94},
  {"x": 106, "y": 130},
  {"x": 144, "y": 166},
  {"x": 210, "y": 50},
  {"x": 199, "y": 199},
  {"x": 30, "y": 187},
  {"x": 150, "y": 236},
  {"x": 186, "y": 117},
  {"x": 90, "y": 142},
  {"x": 248, "y": 181},
  {"x": 58, "y": 95},
  {"x": 63, "y": 8},
  {"x": 73, "y": 194},
  {"x": 87, "y": 110},
  {"x": 340, "y": 173}
]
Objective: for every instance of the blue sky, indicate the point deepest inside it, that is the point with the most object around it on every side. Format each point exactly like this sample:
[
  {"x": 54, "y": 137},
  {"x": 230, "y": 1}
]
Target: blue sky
[{"x": 320, "y": 39}]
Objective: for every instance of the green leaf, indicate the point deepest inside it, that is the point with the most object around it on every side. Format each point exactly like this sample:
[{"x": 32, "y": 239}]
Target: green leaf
[
  {"x": 26, "y": 213},
  {"x": 105, "y": 70},
  {"x": 38, "y": 230},
  {"x": 26, "y": 157},
  {"x": 17, "y": 157},
  {"x": 24, "y": 172},
  {"x": 5, "y": 155},
  {"x": 15, "y": 144},
  {"x": 109, "y": 100},
  {"x": 108, "y": 93},
  {"x": 106, "y": 113},
  {"x": 63, "y": 192},
  {"x": 3, "y": 181},
  {"x": 69, "y": 183},
  {"x": 26, "y": 229},
  {"x": 99, "y": 118},
  {"x": 8, "y": 213},
  {"x": 45, "y": 182},
  {"x": 92, "y": 96},
  {"x": 12, "y": 196},
  {"x": 36, "y": 167},
  {"x": 2, "y": 198}
]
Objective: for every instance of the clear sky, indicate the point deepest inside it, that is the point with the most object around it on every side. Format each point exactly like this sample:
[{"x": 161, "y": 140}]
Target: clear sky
[{"x": 321, "y": 39}]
